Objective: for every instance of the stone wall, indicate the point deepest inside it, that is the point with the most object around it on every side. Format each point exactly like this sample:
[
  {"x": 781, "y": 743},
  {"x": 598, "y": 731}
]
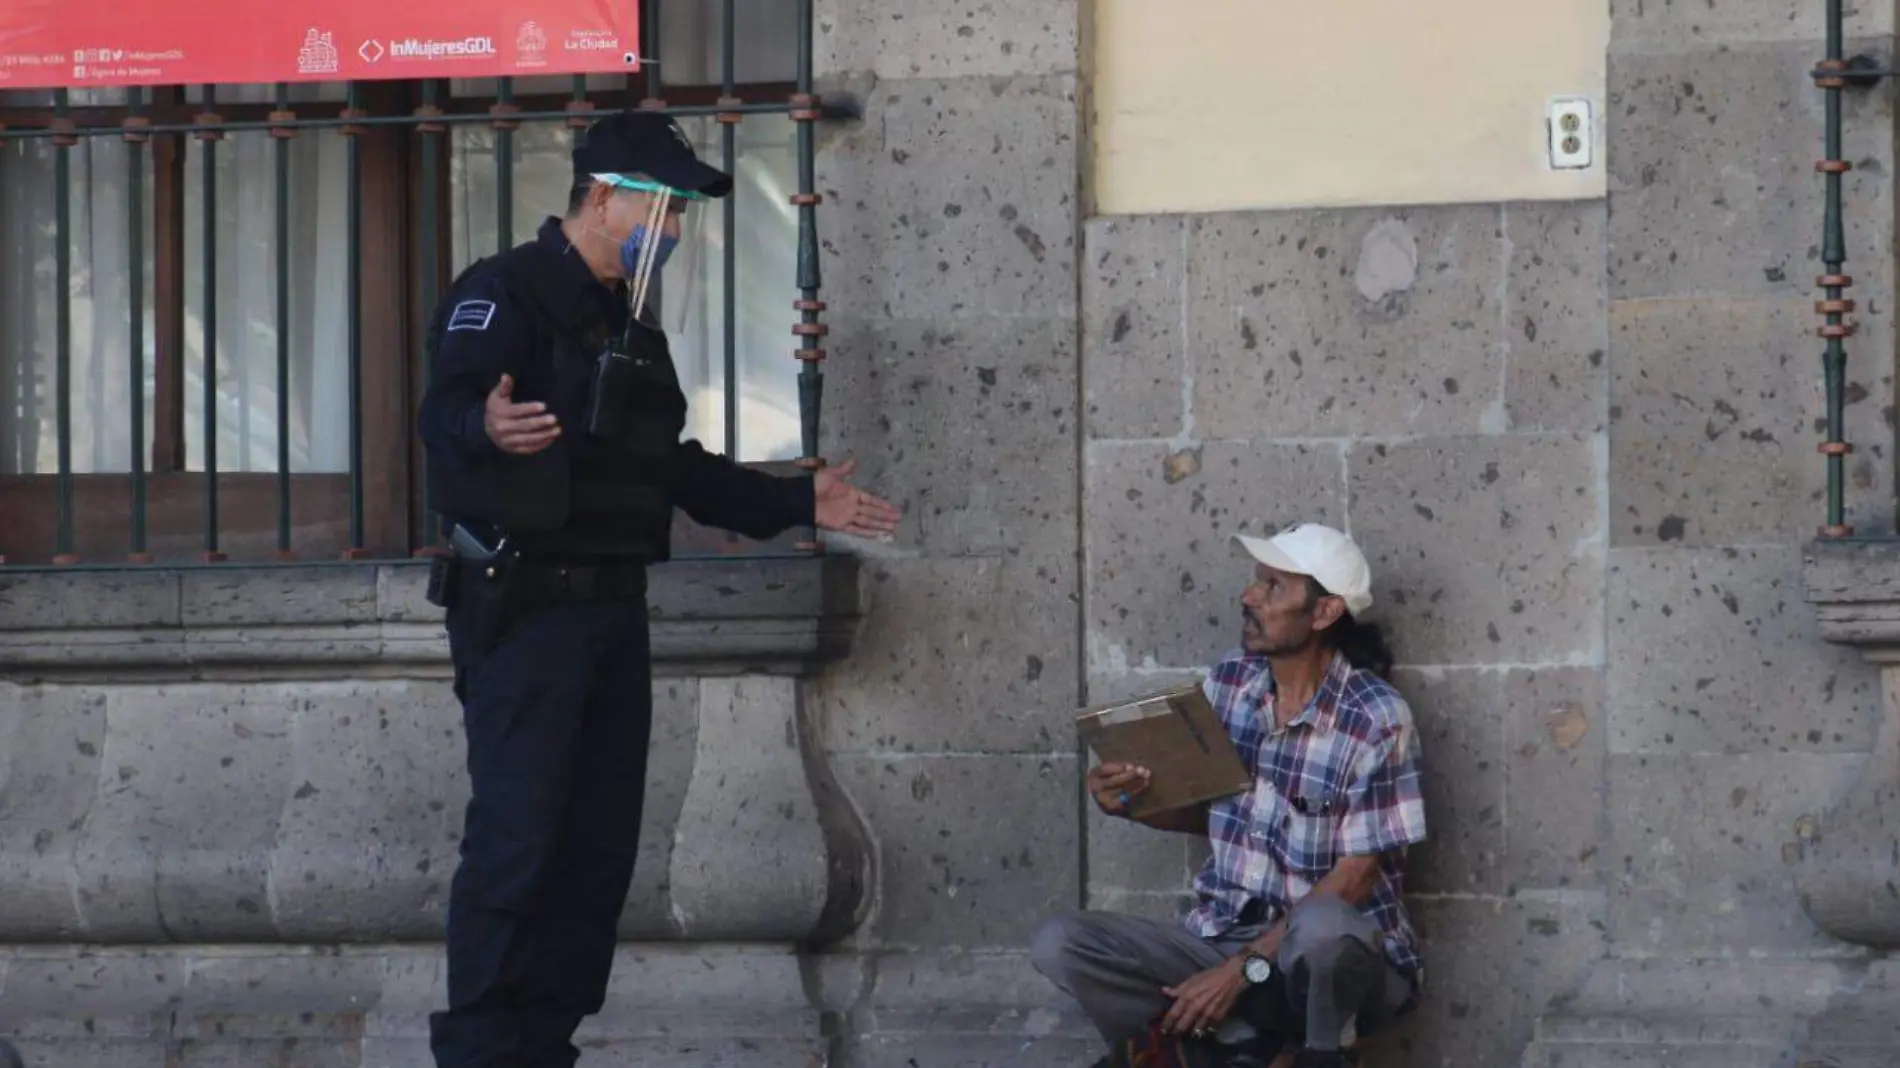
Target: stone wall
[
  {"x": 1575, "y": 438},
  {"x": 231, "y": 803},
  {"x": 952, "y": 242},
  {"x": 1729, "y": 720},
  {"x": 1433, "y": 380},
  {"x": 1577, "y": 441},
  {"x": 1732, "y": 727}
]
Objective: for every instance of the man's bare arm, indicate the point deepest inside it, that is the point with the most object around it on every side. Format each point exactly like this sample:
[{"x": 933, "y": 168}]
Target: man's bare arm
[{"x": 1351, "y": 880}]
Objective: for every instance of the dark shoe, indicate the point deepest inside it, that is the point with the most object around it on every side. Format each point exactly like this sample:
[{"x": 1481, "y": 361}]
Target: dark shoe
[{"x": 1330, "y": 1058}]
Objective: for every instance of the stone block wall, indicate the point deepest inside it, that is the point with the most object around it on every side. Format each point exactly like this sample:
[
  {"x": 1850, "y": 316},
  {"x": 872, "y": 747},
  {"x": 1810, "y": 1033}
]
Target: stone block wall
[
  {"x": 1435, "y": 381},
  {"x": 1731, "y": 722},
  {"x": 1575, "y": 438},
  {"x": 951, "y": 235},
  {"x": 1577, "y": 441},
  {"x": 231, "y": 804}
]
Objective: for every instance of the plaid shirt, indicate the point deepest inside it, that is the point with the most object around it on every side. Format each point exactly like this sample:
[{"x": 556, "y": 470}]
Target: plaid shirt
[{"x": 1339, "y": 781}]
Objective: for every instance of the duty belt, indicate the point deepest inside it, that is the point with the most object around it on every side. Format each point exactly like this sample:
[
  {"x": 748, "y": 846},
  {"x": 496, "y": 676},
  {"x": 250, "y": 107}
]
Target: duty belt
[{"x": 551, "y": 582}]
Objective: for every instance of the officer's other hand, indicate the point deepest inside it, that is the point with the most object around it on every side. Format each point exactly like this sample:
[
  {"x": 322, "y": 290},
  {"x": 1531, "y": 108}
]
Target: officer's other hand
[
  {"x": 522, "y": 429},
  {"x": 1114, "y": 785},
  {"x": 842, "y": 507}
]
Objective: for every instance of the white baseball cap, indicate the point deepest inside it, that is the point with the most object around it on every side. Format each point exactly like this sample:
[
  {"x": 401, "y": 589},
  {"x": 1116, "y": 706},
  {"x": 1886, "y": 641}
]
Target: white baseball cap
[{"x": 1322, "y": 553}]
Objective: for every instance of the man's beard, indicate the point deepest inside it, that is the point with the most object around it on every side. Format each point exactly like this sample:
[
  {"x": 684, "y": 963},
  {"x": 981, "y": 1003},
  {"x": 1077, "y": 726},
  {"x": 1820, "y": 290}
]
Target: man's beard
[{"x": 1253, "y": 637}]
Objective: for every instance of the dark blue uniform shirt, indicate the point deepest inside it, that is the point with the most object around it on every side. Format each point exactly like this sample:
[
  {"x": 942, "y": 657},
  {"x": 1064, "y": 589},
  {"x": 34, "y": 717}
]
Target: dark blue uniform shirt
[{"x": 489, "y": 331}]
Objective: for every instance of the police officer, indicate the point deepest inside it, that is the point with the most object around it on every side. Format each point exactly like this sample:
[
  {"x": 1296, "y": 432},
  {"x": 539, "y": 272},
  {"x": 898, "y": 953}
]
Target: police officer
[{"x": 552, "y": 424}]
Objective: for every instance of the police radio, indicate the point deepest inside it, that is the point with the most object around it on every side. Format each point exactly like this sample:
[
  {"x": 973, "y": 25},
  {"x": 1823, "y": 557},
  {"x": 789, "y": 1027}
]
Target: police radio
[
  {"x": 614, "y": 374},
  {"x": 617, "y": 370}
]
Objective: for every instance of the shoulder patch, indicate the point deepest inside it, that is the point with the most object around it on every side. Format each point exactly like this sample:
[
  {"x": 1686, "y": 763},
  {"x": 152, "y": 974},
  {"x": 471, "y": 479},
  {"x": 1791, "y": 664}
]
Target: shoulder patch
[{"x": 472, "y": 315}]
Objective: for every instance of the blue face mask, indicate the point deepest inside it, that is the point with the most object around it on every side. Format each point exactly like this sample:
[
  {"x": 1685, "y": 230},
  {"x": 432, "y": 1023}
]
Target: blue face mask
[{"x": 630, "y": 250}]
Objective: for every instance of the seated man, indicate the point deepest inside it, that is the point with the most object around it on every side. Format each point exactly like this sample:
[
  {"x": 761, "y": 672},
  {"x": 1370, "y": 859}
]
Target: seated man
[{"x": 1299, "y": 932}]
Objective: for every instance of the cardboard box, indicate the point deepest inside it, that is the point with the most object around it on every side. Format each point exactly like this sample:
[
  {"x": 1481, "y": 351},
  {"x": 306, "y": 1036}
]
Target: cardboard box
[{"x": 1178, "y": 737}]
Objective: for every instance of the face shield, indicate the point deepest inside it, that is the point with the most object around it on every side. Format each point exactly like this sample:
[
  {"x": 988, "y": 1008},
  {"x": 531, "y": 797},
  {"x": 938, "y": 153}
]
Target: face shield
[{"x": 662, "y": 257}]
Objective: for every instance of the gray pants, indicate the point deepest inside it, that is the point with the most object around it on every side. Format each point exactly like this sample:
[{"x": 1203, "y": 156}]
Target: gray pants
[{"x": 1329, "y": 973}]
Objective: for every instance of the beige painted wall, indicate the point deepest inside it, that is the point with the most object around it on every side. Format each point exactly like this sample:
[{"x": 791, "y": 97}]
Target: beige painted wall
[{"x": 1210, "y": 105}]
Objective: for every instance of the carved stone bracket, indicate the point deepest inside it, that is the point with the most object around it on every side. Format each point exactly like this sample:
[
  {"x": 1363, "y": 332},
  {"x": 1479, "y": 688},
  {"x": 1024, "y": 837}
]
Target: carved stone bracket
[
  {"x": 274, "y": 755},
  {"x": 1849, "y": 879}
]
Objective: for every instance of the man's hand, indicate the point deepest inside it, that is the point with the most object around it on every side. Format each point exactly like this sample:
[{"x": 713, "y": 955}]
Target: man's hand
[
  {"x": 521, "y": 429},
  {"x": 1114, "y": 785},
  {"x": 843, "y": 507},
  {"x": 1201, "y": 1003}
]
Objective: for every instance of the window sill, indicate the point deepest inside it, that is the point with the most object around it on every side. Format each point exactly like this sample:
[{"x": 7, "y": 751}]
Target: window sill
[
  {"x": 711, "y": 616},
  {"x": 299, "y": 777}
]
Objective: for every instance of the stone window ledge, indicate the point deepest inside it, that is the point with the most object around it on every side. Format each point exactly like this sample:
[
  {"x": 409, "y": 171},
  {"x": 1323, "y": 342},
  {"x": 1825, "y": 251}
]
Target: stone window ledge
[
  {"x": 296, "y": 775},
  {"x": 711, "y": 616}
]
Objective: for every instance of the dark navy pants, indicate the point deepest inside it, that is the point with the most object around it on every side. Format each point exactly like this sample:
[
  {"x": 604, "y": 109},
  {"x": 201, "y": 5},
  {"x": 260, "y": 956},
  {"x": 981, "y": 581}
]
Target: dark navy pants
[{"x": 558, "y": 718}]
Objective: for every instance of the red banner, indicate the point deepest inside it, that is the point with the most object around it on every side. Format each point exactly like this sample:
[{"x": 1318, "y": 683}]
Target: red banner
[{"x": 92, "y": 43}]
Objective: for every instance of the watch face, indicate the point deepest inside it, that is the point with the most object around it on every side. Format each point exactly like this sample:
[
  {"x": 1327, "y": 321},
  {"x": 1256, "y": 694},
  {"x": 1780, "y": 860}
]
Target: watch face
[{"x": 1257, "y": 970}]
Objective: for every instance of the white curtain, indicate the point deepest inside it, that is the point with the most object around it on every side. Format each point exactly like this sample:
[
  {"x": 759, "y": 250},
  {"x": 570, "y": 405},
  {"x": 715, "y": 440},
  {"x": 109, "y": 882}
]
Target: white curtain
[
  {"x": 765, "y": 237},
  {"x": 246, "y": 383},
  {"x": 246, "y": 292},
  {"x": 247, "y": 327},
  {"x": 765, "y": 240},
  {"x": 99, "y": 364},
  {"x": 763, "y": 46}
]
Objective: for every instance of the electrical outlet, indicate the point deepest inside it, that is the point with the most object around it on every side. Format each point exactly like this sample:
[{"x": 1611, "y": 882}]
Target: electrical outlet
[{"x": 1573, "y": 134}]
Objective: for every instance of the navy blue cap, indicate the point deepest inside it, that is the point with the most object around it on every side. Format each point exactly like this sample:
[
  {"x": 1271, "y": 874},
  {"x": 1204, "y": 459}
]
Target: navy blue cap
[{"x": 647, "y": 142}]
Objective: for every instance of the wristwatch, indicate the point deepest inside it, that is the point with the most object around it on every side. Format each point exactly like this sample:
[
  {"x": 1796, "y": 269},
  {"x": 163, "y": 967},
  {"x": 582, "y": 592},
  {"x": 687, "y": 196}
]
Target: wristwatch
[{"x": 1256, "y": 969}]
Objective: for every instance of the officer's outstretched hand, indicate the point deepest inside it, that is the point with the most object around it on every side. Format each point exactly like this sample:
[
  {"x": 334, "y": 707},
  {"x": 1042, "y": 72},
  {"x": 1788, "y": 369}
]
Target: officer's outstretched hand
[
  {"x": 522, "y": 429},
  {"x": 842, "y": 507}
]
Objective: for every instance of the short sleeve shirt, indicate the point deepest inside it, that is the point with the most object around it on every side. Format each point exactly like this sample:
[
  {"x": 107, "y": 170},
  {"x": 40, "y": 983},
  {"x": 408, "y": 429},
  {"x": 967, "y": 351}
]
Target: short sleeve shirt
[{"x": 1340, "y": 780}]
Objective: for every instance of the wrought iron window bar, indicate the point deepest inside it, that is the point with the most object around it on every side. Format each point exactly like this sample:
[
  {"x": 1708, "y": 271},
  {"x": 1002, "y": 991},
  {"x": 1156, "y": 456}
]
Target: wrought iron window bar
[{"x": 431, "y": 121}]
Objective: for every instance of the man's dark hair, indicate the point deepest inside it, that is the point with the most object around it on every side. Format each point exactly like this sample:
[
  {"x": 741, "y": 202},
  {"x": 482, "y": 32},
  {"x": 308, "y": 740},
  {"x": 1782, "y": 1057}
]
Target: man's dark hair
[
  {"x": 577, "y": 196},
  {"x": 1362, "y": 644}
]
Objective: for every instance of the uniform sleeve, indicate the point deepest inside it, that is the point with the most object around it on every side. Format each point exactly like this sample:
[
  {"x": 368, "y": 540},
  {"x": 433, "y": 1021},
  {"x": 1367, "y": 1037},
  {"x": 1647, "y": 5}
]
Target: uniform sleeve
[
  {"x": 482, "y": 337},
  {"x": 1384, "y": 808},
  {"x": 719, "y": 493}
]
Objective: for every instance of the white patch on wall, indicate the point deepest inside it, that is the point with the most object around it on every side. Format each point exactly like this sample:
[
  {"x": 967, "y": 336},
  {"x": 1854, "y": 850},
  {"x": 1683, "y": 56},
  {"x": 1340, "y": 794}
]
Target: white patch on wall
[{"x": 1388, "y": 261}]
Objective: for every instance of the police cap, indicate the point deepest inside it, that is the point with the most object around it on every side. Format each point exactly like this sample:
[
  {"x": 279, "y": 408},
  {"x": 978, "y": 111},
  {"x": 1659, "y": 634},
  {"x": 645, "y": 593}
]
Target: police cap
[{"x": 649, "y": 143}]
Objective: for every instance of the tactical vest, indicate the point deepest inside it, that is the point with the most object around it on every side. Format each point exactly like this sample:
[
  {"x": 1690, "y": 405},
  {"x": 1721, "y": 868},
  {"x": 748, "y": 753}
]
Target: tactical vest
[{"x": 582, "y": 499}]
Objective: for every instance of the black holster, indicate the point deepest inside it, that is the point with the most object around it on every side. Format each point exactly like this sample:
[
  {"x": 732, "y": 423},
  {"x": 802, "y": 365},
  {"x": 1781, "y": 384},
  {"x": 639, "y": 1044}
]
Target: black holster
[
  {"x": 491, "y": 600},
  {"x": 445, "y": 576}
]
